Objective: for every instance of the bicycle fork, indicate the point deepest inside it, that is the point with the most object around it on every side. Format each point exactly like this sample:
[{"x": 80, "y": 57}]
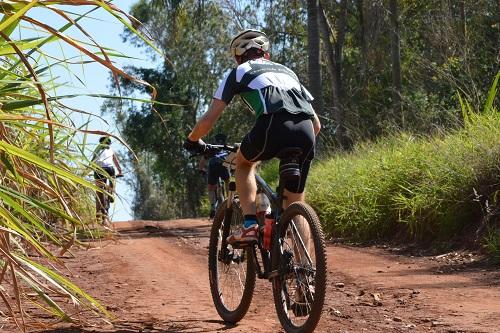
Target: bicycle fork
[{"x": 228, "y": 212}]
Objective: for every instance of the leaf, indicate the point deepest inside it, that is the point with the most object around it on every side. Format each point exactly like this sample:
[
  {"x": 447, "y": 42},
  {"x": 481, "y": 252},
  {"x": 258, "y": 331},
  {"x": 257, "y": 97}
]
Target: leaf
[
  {"x": 8, "y": 164},
  {"x": 10, "y": 149},
  {"x": 19, "y": 13},
  {"x": 21, "y": 45},
  {"x": 62, "y": 283},
  {"x": 488, "y": 106},
  {"x": 8, "y": 31}
]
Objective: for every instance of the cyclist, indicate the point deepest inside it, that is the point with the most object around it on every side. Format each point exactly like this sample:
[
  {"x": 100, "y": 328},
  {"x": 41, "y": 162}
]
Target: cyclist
[
  {"x": 285, "y": 118},
  {"x": 105, "y": 159},
  {"x": 215, "y": 170}
]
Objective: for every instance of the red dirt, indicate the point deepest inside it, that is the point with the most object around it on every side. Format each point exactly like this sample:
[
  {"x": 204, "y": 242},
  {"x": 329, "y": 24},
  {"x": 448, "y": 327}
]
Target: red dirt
[{"x": 154, "y": 278}]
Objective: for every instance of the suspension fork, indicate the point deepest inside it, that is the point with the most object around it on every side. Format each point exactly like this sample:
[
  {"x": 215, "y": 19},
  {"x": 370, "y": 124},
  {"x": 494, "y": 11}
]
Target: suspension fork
[{"x": 228, "y": 214}]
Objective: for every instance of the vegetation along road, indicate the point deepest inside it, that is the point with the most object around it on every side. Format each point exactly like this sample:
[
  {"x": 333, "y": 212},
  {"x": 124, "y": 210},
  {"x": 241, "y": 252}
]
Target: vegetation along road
[{"x": 153, "y": 278}]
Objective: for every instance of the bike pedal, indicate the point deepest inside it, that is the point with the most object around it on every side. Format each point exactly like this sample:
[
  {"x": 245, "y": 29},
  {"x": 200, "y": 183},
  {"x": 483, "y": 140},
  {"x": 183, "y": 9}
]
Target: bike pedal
[{"x": 273, "y": 274}]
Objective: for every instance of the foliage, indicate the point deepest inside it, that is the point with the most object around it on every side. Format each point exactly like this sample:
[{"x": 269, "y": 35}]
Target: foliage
[
  {"x": 412, "y": 186},
  {"x": 167, "y": 183},
  {"x": 44, "y": 194},
  {"x": 445, "y": 47}
]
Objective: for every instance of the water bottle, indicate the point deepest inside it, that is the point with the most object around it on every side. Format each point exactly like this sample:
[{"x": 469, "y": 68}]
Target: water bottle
[
  {"x": 268, "y": 232},
  {"x": 263, "y": 207}
]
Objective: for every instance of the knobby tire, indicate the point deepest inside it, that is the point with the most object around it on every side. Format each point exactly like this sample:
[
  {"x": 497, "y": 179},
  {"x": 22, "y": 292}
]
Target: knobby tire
[
  {"x": 221, "y": 229},
  {"x": 282, "y": 298}
]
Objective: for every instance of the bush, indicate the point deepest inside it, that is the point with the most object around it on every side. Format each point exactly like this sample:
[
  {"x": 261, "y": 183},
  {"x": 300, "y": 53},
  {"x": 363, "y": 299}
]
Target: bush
[{"x": 424, "y": 188}]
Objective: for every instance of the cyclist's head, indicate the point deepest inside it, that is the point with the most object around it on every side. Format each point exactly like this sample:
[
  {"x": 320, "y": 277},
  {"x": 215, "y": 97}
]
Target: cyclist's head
[
  {"x": 249, "y": 44},
  {"x": 105, "y": 140},
  {"x": 220, "y": 138}
]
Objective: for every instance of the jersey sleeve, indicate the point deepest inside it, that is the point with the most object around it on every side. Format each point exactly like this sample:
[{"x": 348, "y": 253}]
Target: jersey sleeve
[{"x": 228, "y": 88}]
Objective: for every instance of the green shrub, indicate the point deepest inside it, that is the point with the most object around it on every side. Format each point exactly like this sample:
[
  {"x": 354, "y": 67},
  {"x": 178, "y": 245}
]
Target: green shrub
[{"x": 423, "y": 188}]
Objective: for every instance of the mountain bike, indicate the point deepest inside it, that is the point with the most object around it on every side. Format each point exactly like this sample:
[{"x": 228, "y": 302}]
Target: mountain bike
[
  {"x": 104, "y": 199},
  {"x": 294, "y": 262}
]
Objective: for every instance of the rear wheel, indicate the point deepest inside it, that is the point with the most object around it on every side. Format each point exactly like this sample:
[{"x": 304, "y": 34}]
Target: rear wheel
[
  {"x": 299, "y": 289},
  {"x": 231, "y": 271}
]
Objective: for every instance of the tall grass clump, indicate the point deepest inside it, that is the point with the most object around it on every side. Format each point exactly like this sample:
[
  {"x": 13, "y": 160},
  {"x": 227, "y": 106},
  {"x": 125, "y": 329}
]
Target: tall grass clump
[
  {"x": 44, "y": 195},
  {"x": 414, "y": 187}
]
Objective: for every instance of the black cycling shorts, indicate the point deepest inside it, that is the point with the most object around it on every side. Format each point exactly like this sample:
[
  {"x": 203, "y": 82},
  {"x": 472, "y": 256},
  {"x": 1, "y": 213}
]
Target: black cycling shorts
[
  {"x": 275, "y": 132},
  {"x": 107, "y": 173},
  {"x": 216, "y": 170}
]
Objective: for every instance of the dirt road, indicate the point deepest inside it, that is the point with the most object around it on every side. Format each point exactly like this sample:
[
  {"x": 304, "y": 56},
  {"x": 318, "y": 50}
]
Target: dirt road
[{"x": 154, "y": 278}]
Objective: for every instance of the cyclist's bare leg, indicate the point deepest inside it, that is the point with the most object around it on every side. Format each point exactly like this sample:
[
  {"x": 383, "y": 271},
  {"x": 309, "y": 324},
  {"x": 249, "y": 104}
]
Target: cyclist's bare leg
[
  {"x": 211, "y": 193},
  {"x": 302, "y": 225},
  {"x": 245, "y": 183},
  {"x": 212, "y": 198},
  {"x": 226, "y": 185},
  {"x": 99, "y": 202},
  {"x": 112, "y": 186},
  {"x": 291, "y": 197}
]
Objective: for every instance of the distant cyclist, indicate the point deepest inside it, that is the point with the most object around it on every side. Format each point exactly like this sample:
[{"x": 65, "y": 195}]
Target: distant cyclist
[
  {"x": 285, "y": 118},
  {"x": 106, "y": 161},
  {"x": 215, "y": 170}
]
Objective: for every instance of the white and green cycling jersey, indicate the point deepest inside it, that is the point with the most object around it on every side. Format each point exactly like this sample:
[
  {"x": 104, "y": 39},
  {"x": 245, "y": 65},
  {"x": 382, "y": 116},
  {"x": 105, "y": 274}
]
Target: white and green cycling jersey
[{"x": 266, "y": 87}]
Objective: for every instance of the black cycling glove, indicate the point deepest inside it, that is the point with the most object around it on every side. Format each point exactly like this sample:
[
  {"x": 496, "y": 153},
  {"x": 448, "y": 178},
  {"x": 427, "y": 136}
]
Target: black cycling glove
[{"x": 194, "y": 147}]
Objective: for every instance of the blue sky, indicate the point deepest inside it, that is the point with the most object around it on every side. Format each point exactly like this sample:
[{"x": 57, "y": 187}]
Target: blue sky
[{"x": 106, "y": 30}]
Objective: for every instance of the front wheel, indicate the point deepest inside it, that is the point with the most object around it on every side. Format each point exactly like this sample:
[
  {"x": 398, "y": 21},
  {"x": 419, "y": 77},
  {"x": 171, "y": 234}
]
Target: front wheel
[
  {"x": 231, "y": 270},
  {"x": 299, "y": 289}
]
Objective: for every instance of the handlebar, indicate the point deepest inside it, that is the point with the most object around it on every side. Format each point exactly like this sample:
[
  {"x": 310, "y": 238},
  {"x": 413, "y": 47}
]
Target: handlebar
[{"x": 211, "y": 149}]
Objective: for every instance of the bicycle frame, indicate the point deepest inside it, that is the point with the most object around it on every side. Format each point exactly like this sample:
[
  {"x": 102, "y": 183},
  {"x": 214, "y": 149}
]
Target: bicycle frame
[
  {"x": 296, "y": 270},
  {"x": 270, "y": 258}
]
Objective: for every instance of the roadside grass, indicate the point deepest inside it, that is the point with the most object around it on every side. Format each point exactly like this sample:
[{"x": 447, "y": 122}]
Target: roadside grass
[
  {"x": 422, "y": 186},
  {"x": 427, "y": 189}
]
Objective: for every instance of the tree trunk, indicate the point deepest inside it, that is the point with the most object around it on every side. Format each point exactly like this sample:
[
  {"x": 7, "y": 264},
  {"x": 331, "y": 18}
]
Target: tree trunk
[
  {"x": 396, "y": 62},
  {"x": 463, "y": 26},
  {"x": 362, "y": 40},
  {"x": 334, "y": 57},
  {"x": 313, "y": 49}
]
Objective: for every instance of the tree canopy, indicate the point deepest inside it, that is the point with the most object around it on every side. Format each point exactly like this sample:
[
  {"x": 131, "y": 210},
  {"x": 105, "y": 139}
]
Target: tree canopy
[{"x": 384, "y": 65}]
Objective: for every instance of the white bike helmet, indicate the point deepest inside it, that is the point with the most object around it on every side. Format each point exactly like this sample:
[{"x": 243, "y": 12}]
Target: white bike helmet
[{"x": 247, "y": 40}]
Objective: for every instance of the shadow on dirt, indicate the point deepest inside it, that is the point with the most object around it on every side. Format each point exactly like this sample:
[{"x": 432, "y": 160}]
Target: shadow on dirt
[
  {"x": 194, "y": 326},
  {"x": 153, "y": 231}
]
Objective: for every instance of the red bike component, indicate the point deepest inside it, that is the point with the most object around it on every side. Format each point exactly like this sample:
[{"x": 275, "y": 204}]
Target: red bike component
[{"x": 268, "y": 233}]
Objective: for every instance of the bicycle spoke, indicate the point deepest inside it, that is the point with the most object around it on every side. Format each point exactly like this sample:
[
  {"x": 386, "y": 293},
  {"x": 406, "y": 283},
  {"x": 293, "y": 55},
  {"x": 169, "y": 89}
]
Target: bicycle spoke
[
  {"x": 231, "y": 282},
  {"x": 301, "y": 284},
  {"x": 298, "y": 240}
]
